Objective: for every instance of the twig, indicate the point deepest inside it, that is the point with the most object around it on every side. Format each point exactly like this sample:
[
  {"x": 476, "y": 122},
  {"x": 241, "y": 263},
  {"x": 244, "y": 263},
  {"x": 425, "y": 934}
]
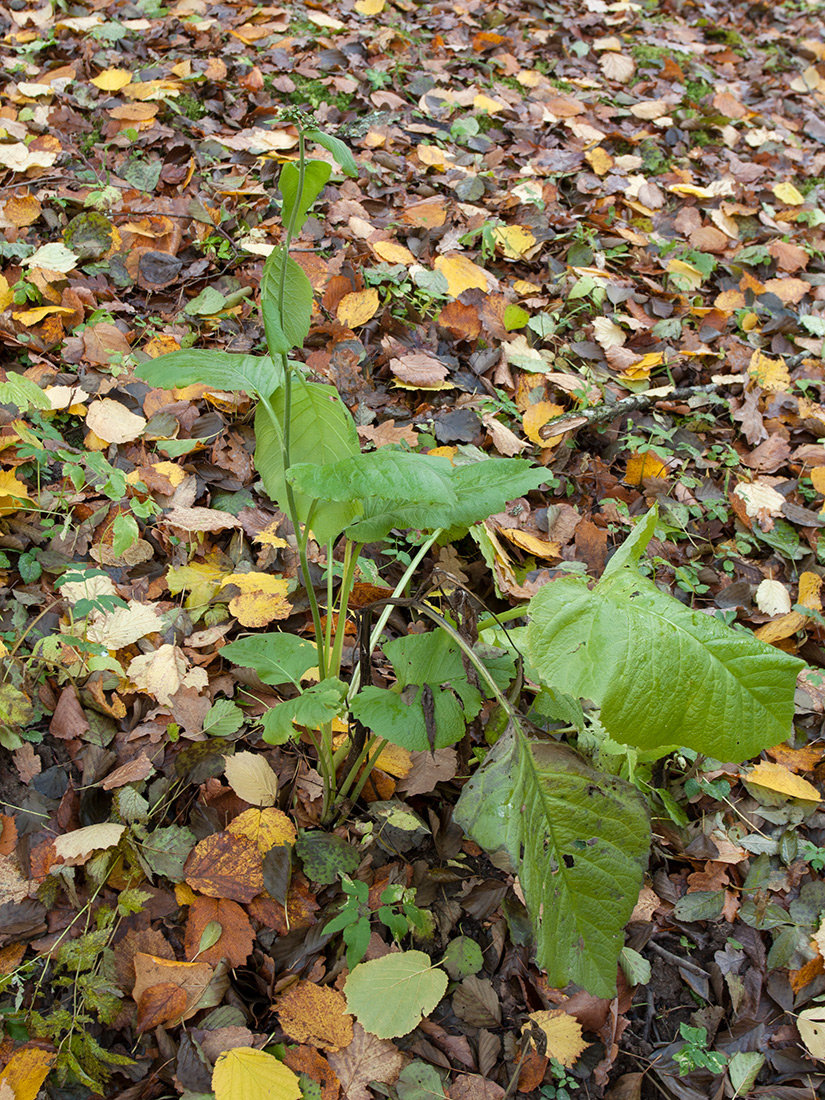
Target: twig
[
  {"x": 603, "y": 414},
  {"x": 677, "y": 960}
]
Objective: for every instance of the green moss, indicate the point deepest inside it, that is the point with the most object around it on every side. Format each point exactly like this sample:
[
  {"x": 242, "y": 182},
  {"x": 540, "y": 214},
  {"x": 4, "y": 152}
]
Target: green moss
[
  {"x": 807, "y": 185},
  {"x": 191, "y": 107},
  {"x": 654, "y": 160},
  {"x": 315, "y": 91},
  {"x": 697, "y": 90}
]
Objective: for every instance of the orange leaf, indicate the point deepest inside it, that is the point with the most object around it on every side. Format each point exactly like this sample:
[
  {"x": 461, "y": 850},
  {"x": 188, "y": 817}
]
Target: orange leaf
[
  {"x": 315, "y": 1014},
  {"x": 160, "y": 1004},
  {"x": 237, "y": 936},
  {"x": 536, "y": 417}
]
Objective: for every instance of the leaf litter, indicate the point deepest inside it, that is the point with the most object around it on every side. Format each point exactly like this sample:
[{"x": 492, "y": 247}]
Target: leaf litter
[{"x": 591, "y": 234}]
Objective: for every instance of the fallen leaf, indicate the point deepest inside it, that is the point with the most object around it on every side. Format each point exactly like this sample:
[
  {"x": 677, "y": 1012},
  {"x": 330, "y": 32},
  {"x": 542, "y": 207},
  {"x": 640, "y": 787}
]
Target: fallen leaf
[
  {"x": 536, "y": 416},
  {"x": 563, "y": 1034},
  {"x": 194, "y": 978},
  {"x": 357, "y": 308},
  {"x": 263, "y": 598},
  {"x": 640, "y": 466},
  {"x": 237, "y": 936},
  {"x": 75, "y": 848},
  {"x": 776, "y": 778},
  {"x": 251, "y": 778},
  {"x": 268, "y": 828},
  {"x": 366, "y": 1059},
  {"x": 163, "y": 672},
  {"x": 461, "y": 273},
  {"x": 245, "y": 1073},
  {"x": 225, "y": 866},
  {"x": 772, "y": 598},
  {"x": 26, "y": 1070},
  {"x": 811, "y": 1024},
  {"x": 160, "y": 1004},
  {"x": 419, "y": 369},
  {"x": 315, "y": 1014}
]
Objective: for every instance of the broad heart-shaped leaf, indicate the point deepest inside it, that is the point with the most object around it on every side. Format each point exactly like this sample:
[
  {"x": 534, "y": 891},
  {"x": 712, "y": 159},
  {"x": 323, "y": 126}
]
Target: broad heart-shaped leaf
[
  {"x": 339, "y": 150},
  {"x": 277, "y": 658},
  {"x": 389, "y": 996},
  {"x": 392, "y": 475},
  {"x": 664, "y": 676},
  {"x": 245, "y": 1073},
  {"x": 318, "y": 704},
  {"x": 287, "y": 331},
  {"x": 323, "y": 432},
  {"x": 255, "y": 374},
  {"x": 577, "y": 839},
  {"x": 316, "y": 174}
]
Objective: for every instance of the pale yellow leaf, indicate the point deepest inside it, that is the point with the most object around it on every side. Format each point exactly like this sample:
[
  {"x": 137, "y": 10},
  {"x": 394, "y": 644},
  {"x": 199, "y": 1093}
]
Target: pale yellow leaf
[
  {"x": 771, "y": 374},
  {"x": 262, "y": 598},
  {"x": 773, "y": 598},
  {"x": 617, "y": 66},
  {"x": 358, "y": 307},
  {"x": 77, "y": 846},
  {"x": 13, "y": 493},
  {"x": 369, "y": 7},
  {"x": 163, "y": 672},
  {"x": 461, "y": 273},
  {"x": 686, "y": 274},
  {"x": 251, "y": 778},
  {"x": 393, "y": 253},
  {"x": 608, "y": 334},
  {"x": 485, "y": 103},
  {"x": 245, "y": 1073},
  {"x": 811, "y": 1024},
  {"x": 113, "y": 422},
  {"x": 112, "y": 80},
  {"x": 776, "y": 778},
  {"x": 536, "y": 417},
  {"x": 787, "y": 193},
  {"x": 564, "y": 1035},
  {"x": 515, "y": 241}
]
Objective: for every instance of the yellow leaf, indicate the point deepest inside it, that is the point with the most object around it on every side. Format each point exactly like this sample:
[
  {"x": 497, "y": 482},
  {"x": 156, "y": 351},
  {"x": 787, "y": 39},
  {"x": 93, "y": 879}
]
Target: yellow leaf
[
  {"x": 26, "y": 1071},
  {"x": 776, "y": 778},
  {"x": 394, "y": 760},
  {"x": 686, "y": 274},
  {"x": 784, "y": 627},
  {"x": 270, "y": 537},
  {"x": 525, "y": 289},
  {"x": 184, "y": 894},
  {"x": 251, "y": 778},
  {"x": 529, "y": 78},
  {"x": 34, "y": 316},
  {"x": 515, "y": 241},
  {"x": 771, "y": 374},
  {"x": 244, "y": 1073},
  {"x": 818, "y": 478},
  {"x": 393, "y": 252},
  {"x": 810, "y": 585},
  {"x": 599, "y": 160},
  {"x": 640, "y": 466},
  {"x": 322, "y": 20},
  {"x": 269, "y": 828},
  {"x": 369, "y": 7},
  {"x": 6, "y": 293},
  {"x": 536, "y": 417},
  {"x": 262, "y": 598},
  {"x": 461, "y": 273},
  {"x": 485, "y": 103},
  {"x": 432, "y": 157},
  {"x": 541, "y": 548},
  {"x": 200, "y": 579},
  {"x": 77, "y": 846},
  {"x": 357, "y": 308},
  {"x": 112, "y": 80},
  {"x": 787, "y": 193},
  {"x": 564, "y": 1035},
  {"x": 692, "y": 190},
  {"x": 13, "y": 493}
]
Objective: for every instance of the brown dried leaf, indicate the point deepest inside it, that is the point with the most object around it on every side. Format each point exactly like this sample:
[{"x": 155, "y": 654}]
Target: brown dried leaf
[
  {"x": 160, "y": 1004},
  {"x": 225, "y": 866},
  {"x": 315, "y": 1014},
  {"x": 367, "y": 1059},
  {"x": 237, "y": 935}
]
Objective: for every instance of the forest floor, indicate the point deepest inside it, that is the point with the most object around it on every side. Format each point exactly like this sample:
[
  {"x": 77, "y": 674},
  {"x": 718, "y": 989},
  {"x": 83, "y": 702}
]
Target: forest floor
[{"x": 558, "y": 207}]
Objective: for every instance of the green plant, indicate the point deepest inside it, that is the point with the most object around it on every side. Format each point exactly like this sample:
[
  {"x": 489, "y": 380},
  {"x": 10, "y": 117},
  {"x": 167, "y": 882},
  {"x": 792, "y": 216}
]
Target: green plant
[
  {"x": 695, "y": 1054},
  {"x": 559, "y": 1088},
  {"x": 398, "y": 912},
  {"x": 662, "y": 675}
]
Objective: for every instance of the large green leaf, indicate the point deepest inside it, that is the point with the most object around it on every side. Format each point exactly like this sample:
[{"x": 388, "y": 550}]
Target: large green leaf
[
  {"x": 288, "y": 330},
  {"x": 389, "y": 996},
  {"x": 312, "y": 708},
  {"x": 255, "y": 374},
  {"x": 23, "y": 393},
  {"x": 392, "y": 475},
  {"x": 316, "y": 174},
  {"x": 664, "y": 676},
  {"x": 277, "y": 658},
  {"x": 323, "y": 432},
  {"x": 577, "y": 839}
]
